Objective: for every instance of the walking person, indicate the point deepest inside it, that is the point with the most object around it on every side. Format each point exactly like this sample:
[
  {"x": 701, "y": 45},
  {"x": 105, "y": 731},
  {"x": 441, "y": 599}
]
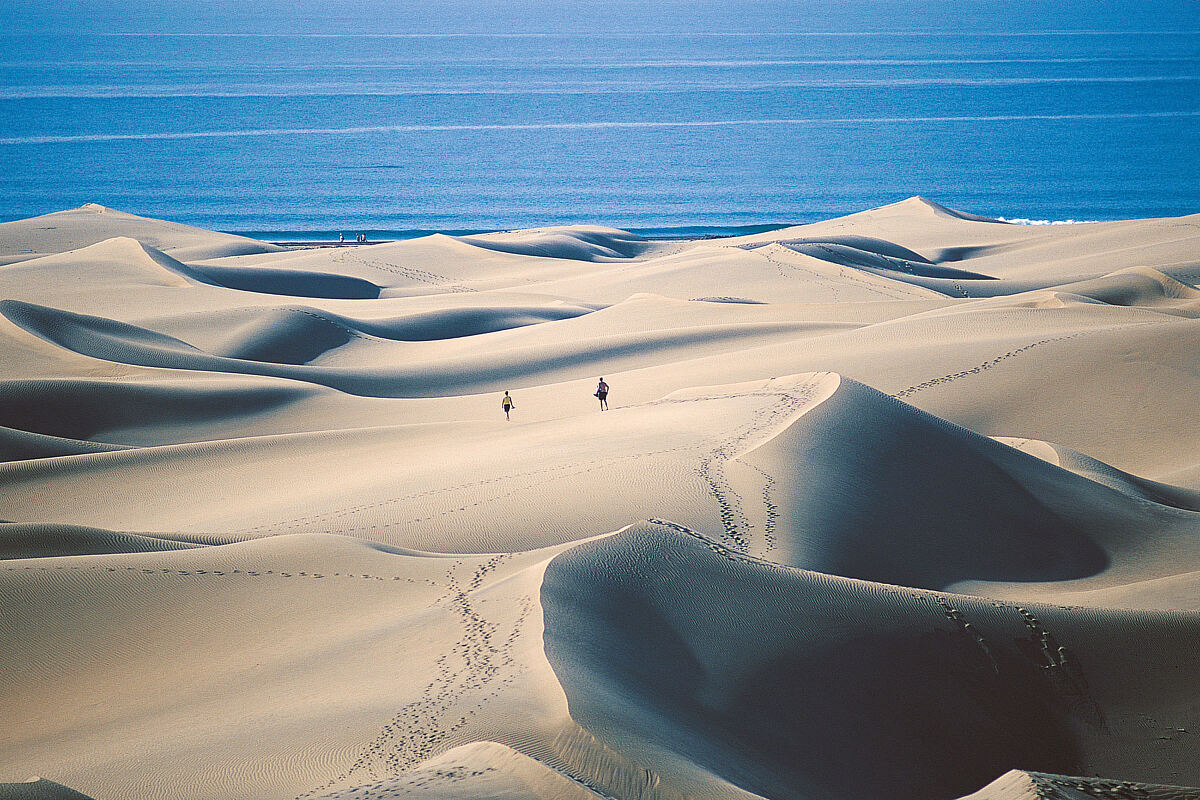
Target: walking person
[
  {"x": 508, "y": 405},
  {"x": 602, "y": 393}
]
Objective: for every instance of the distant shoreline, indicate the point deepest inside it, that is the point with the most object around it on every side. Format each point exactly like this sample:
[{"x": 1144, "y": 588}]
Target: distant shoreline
[
  {"x": 329, "y": 238},
  {"x": 318, "y": 243}
]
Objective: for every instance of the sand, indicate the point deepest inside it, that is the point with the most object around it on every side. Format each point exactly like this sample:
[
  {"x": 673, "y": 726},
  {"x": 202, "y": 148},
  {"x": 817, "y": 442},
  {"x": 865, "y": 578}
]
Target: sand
[{"x": 904, "y": 504}]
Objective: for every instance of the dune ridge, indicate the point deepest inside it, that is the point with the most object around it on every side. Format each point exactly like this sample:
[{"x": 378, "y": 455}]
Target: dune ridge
[{"x": 901, "y": 504}]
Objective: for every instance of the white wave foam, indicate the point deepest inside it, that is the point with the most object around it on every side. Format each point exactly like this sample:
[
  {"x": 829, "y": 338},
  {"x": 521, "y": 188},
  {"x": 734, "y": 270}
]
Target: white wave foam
[
  {"x": 1027, "y": 221},
  {"x": 667, "y": 34},
  {"x": 720, "y": 123},
  {"x": 341, "y": 89},
  {"x": 534, "y": 61}
]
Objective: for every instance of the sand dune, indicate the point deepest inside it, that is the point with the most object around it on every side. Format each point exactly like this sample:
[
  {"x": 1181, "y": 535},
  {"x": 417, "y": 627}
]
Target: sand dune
[
  {"x": 92, "y": 223},
  {"x": 904, "y": 504},
  {"x": 942, "y": 691},
  {"x": 580, "y": 243},
  {"x": 1019, "y": 785}
]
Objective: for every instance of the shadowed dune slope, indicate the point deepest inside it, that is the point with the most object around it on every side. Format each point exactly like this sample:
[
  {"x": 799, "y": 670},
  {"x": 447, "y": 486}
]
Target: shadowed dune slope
[
  {"x": 865, "y": 486},
  {"x": 1140, "y": 287},
  {"x": 870, "y": 488},
  {"x": 17, "y": 445},
  {"x": 865, "y": 244},
  {"x": 298, "y": 335},
  {"x": 579, "y": 243},
  {"x": 43, "y": 541},
  {"x": 1162, "y": 494},
  {"x": 934, "y": 208},
  {"x": 907, "y": 264},
  {"x": 286, "y": 282},
  {"x": 39, "y": 789},
  {"x": 779, "y": 680},
  {"x": 293, "y": 283},
  {"x": 83, "y": 409}
]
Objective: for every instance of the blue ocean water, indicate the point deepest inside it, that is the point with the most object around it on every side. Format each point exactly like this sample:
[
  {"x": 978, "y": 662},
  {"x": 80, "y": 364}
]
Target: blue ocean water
[{"x": 285, "y": 117}]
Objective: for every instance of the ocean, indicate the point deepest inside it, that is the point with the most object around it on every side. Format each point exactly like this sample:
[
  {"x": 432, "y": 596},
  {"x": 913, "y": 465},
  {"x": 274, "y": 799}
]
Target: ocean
[{"x": 300, "y": 120}]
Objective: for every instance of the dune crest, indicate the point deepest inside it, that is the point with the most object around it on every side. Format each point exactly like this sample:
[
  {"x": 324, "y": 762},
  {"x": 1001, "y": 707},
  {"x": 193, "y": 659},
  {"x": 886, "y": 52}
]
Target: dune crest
[{"x": 902, "y": 504}]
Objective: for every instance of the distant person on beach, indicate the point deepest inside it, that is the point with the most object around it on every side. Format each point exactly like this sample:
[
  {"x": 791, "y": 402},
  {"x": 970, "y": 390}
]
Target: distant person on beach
[
  {"x": 602, "y": 393},
  {"x": 508, "y": 405},
  {"x": 341, "y": 237}
]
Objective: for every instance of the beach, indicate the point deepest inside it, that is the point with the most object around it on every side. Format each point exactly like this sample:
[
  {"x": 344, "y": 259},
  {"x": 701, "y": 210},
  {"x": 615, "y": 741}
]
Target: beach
[{"x": 903, "y": 503}]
